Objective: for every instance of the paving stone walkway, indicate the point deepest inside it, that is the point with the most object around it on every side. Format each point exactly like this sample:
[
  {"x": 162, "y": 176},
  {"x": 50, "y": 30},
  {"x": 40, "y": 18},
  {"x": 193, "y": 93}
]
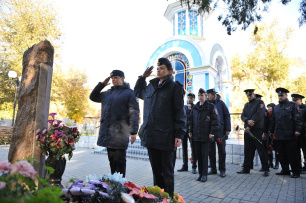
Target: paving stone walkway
[{"x": 233, "y": 188}]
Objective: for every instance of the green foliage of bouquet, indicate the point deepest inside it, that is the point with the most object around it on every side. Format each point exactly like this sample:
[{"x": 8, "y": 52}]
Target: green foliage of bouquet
[
  {"x": 59, "y": 138},
  {"x": 17, "y": 184}
]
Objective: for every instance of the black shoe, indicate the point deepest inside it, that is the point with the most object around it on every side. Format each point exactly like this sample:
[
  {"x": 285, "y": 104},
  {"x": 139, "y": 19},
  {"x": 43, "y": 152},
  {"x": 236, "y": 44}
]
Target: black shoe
[
  {"x": 204, "y": 179},
  {"x": 194, "y": 171},
  {"x": 295, "y": 175},
  {"x": 266, "y": 174},
  {"x": 199, "y": 178},
  {"x": 212, "y": 172},
  {"x": 222, "y": 174},
  {"x": 182, "y": 169},
  {"x": 283, "y": 173},
  {"x": 243, "y": 171}
]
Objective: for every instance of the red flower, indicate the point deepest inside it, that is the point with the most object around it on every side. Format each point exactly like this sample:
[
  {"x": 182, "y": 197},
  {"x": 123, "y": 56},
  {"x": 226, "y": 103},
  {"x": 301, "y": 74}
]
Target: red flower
[
  {"x": 219, "y": 141},
  {"x": 191, "y": 160}
]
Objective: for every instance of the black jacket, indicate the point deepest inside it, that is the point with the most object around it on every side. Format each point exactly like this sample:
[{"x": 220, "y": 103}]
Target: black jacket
[
  {"x": 188, "y": 114},
  {"x": 164, "y": 117},
  {"x": 119, "y": 115},
  {"x": 204, "y": 121},
  {"x": 286, "y": 121},
  {"x": 224, "y": 118},
  {"x": 254, "y": 110},
  {"x": 303, "y": 117}
]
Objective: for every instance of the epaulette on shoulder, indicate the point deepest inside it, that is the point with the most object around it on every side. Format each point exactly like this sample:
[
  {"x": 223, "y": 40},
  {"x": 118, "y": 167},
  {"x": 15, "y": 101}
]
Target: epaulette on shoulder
[{"x": 179, "y": 83}]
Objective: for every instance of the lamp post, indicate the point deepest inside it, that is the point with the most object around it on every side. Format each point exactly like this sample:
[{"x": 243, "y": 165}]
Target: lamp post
[{"x": 13, "y": 74}]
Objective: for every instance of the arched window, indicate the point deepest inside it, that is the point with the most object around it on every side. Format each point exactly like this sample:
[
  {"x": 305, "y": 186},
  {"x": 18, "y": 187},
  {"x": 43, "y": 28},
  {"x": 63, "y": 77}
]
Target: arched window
[{"x": 180, "y": 65}]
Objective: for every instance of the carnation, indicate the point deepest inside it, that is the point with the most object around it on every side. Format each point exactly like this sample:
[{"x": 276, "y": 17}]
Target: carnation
[
  {"x": 4, "y": 166},
  {"x": 24, "y": 168}
]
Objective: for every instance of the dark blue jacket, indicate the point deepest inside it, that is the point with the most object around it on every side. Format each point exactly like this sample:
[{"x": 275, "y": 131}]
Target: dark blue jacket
[
  {"x": 224, "y": 118},
  {"x": 204, "y": 122},
  {"x": 254, "y": 110},
  {"x": 286, "y": 121},
  {"x": 164, "y": 117},
  {"x": 119, "y": 115}
]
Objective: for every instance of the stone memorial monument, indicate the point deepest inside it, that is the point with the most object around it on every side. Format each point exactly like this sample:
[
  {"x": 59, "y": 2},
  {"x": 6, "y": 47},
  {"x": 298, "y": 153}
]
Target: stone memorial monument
[{"x": 33, "y": 104}]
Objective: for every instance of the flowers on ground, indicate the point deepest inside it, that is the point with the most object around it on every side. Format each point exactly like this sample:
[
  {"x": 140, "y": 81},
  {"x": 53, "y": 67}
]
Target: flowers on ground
[
  {"x": 59, "y": 138},
  {"x": 114, "y": 188}
]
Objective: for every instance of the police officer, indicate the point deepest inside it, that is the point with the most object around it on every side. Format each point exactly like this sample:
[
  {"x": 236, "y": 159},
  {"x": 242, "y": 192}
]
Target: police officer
[
  {"x": 287, "y": 126},
  {"x": 253, "y": 118},
  {"x": 297, "y": 98},
  {"x": 164, "y": 121},
  {"x": 188, "y": 107},
  {"x": 222, "y": 135}
]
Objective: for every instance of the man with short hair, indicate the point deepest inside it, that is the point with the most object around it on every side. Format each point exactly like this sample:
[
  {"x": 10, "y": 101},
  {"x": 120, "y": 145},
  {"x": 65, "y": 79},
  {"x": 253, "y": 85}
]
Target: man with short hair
[
  {"x": 164, "y": 121},
  {"x": 287, "y": 126},
  {"x": 222, "y": 135},
  {"x": 253, "y": 118},
  {"x": 188, "y": 107},
  {"x": 297, "y": 98},
  {"x": 119, "y": 119}
]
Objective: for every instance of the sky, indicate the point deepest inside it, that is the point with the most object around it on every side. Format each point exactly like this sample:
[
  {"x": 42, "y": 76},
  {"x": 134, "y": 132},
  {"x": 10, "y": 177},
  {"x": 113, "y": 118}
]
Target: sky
[{"x": 100, "y": 36}]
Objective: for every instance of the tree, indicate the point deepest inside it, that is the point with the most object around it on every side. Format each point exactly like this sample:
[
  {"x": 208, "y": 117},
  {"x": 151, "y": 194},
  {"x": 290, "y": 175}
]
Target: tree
[
  {"x": 22, "y": 24},
  {"x": 267, "y": 66},
  {"x": 71, "y": 94},
  {"x": 241, "y": 12}
]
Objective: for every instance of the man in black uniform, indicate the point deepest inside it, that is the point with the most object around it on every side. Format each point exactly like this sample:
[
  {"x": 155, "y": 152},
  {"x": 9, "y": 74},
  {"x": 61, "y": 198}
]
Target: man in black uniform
[
  {"x": 188, "y": 107},
  {"x": 164, "y": 121},
  {"x": 287, "y": 126},
  {"x": 297, "y": 98},
  {"x": 253, "y": 118},
  {"x": 221, "y": 137}
]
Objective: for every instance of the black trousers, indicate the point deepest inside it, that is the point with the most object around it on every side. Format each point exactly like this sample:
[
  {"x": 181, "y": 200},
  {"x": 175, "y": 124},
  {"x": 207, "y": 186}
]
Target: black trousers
[
  {"x": 163, "y": 168},
  {"x": 301, "y": 144},
  {"x": 117, "y": 160},
  {"x": 202, "y": 149},
  {"x": 288, "y": 155},
  {"x": 222, "y": 155},
  {"x": 250, "y": 145},
  {"x": 185, "y": 152}
]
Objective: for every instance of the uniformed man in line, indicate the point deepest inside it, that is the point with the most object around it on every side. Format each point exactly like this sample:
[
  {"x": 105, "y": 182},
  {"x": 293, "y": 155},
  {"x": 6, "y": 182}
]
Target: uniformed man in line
[
  {"x": 222, "y": 135},
  {"x": 287, "y": 126},
  {"x": 253, "y": 118},
  {"x": 164, "y": 121},
  {"x": 188, "y": 107},
  {"x": 297, "y": 98}
]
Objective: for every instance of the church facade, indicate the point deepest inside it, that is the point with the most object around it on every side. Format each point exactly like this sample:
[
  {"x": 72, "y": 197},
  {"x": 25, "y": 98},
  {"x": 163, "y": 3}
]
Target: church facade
[{"x": 198, "y": 62}]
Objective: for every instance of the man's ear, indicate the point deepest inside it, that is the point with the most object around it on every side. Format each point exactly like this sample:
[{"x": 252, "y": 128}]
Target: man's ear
[{"x": 171, "y": 72}]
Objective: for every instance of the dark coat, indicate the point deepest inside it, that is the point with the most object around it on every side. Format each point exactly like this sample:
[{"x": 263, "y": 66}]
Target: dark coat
[
  {"x": 204, "y": 121},
  {"x": 224, "y": 118},
  {"x": 303, "y": 117},
  {"x": 119, "y": 115},
  {"x": 164, "y": 117},
  {"x": 286, "y": 121},
  {"x": 188, "y": 114},
  {"x": 254, "y": 110}
]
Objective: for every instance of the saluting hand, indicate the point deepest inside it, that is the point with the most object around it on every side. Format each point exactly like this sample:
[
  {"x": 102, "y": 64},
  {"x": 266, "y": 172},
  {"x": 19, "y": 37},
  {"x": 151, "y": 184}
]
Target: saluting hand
[
  {"x": 106, "y": 81},
  {"x": 148, "y": 72}
]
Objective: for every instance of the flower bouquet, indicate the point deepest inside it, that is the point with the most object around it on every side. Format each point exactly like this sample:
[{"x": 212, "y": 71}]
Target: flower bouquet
[
  {"x": 17, "y": 184},
  {"x": 114, "y": 188},
  {"x": 59, "y": 138}
]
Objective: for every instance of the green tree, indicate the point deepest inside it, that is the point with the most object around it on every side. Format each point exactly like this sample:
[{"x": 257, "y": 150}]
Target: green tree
[
  {"x": 73, "y": 95},
  {"x": 267, "y": 66},
  {"x": 22, "y": 24},
  {"x": 240, "y": 13}
]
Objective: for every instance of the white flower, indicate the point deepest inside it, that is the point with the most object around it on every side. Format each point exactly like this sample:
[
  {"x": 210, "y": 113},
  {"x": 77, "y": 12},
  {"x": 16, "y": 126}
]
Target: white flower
[{"x": 69, "y": 123}]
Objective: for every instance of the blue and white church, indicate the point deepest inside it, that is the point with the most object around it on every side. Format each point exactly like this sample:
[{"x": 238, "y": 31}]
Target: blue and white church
[{"x": 198, "y": 62}]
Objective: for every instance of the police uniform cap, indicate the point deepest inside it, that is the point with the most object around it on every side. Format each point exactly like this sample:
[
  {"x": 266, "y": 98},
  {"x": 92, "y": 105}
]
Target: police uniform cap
[
  {"x": 201, "y": 91},
  {"x": 281, "y": 91},
  {"x": 212, "y": 91},
  {"x": 117, "y": 73},
  {"x": 164, "y": 61},
  {"x": 297, "y": 96},
  {"x": 258, "y": 96},
  {"x": 249, "y": 91},
  {"x": 191, "y": 95}
]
